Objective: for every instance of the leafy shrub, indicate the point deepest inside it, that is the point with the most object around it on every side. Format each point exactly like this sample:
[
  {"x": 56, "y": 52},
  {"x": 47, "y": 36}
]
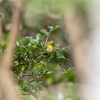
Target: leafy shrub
[{"x": 35, "y": 60}]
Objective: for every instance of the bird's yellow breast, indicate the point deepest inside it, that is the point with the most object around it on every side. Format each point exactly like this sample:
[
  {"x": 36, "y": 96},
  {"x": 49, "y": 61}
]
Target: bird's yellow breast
[{"x": 50, "y": 48}]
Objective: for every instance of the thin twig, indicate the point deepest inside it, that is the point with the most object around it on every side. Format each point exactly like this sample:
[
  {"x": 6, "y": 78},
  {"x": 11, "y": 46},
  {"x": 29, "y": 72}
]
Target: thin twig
[
  {"x": 62, "y": 67},
  {"x": 1, "y": 18},
  {"x": 47, "y": 38}
]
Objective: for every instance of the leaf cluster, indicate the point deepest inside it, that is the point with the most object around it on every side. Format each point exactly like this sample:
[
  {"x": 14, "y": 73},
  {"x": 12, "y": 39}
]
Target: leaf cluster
[{"x": 31, "y": 59}]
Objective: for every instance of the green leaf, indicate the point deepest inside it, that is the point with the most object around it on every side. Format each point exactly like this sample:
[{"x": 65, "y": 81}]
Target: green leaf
[
  {"x": 60, "y": 57},
  {"x": 51, "y": 27},
  {"x": 33, "y": 83},
  {"x": 49, "y": 72},
  {"x": 70, "y": 74},
  {"x": 44, "y": 31},
  {"x": 29, "y": 38},
  {"x": 56, "y": 47},
  {"x": 38, "y": 36},
  {"x": 56, "y": 27},
  {"x": 24, "y": 84},
  {"x": 17, "y": 43},
  {"x": 63, "y": 49}
]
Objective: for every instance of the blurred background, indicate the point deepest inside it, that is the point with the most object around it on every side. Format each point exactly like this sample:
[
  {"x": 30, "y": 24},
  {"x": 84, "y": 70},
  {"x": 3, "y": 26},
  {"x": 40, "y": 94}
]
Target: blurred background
[{"x": 37, "y": 15}]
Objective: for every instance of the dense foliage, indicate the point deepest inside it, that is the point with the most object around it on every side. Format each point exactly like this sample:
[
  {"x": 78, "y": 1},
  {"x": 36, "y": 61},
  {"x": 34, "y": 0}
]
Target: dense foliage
[{"x": 35, "y": 60}]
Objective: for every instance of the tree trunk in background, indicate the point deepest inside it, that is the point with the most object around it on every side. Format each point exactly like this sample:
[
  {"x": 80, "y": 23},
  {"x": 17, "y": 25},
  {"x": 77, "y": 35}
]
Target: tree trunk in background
[
  {"x": 74, "y": 26},
  {"x": 6, "y": 79},
  {"x": 1, "y": 17},
  {"x": 86, "y": 56}
]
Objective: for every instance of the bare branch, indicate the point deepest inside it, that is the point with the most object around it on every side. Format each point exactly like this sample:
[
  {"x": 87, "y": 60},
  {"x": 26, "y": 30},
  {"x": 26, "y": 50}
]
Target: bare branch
[
  {"x": 1, "y": 17},
  {"x": 13, "y": 35}
]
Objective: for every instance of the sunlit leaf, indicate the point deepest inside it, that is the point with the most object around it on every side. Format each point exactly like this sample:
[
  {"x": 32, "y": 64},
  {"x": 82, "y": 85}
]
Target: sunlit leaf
[
  {"x": 38, "y": 36},
  {"x": 44, "y": 31}
]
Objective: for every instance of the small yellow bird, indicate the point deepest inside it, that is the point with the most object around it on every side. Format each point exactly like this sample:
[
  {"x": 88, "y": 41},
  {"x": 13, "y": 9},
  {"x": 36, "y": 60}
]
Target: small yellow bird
[{"x": 50, "y": 46}]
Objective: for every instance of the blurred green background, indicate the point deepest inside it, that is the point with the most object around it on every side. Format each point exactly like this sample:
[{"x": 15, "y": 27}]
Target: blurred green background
[{"x": 37, "y": 15}]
